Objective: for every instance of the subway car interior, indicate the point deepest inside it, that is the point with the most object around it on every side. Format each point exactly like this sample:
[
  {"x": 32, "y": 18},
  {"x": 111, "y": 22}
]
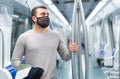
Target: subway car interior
[{"x": 92, "y": 24}]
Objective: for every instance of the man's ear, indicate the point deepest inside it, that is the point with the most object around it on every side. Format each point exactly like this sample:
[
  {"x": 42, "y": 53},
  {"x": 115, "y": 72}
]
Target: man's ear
[{"x": 34, "y": 19}]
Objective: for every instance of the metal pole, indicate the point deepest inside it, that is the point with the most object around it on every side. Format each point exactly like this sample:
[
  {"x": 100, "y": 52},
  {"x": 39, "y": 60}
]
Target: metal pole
[
  {"x": 80, "y": 66},
  {"x": 86, "y": 41},
  {"x": 119, "y": 55},
  {"x": 77, "y": 69},
  {"x": 102, "y": 40},
  {"x": 73, "y": 39},
  {"x": 2, "y": 48},
  {"x": 28, "y": 6}
]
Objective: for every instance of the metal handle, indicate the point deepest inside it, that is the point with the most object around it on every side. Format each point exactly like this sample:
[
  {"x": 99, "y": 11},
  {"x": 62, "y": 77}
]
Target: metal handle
[
  {"x": 3, "y": 49},
  {"x": 78, "y": 15},
  {"x": 74, "y": 38},
  {"x": 86, "y": 40}
]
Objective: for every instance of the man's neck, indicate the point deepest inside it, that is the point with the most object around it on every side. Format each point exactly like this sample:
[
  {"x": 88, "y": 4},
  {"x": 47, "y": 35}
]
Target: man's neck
[{"x": 39, "y": 29}]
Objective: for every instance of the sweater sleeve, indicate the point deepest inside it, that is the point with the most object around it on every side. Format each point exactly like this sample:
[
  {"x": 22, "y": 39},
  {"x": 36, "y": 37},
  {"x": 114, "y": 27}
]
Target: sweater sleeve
[
  {"x": 64, "y": 52},
  {"x": 18, "y": 51}
]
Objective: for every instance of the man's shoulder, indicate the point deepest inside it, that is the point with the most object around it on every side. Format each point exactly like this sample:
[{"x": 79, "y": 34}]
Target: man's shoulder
[
  {"x": 54, "y": 32},
  {"x": 25, "y": 34}
]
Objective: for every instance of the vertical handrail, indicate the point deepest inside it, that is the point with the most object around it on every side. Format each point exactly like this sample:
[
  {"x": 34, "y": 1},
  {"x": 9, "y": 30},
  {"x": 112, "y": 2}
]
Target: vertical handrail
[
  {"x": 77, "y": 13},
  {"x": 101, "y": 41},
  {"x": 102, "y": 26},
  {"x": 28, "y": 6},
  {"x": 73, "y": 40},
  {"x": 119, "y": 55},
  {"x": 2, "y": 48},
  {"x": 80, "y": 66},
  {"x": 76, "y": 38},
  {"x": 86, "y": 40}
]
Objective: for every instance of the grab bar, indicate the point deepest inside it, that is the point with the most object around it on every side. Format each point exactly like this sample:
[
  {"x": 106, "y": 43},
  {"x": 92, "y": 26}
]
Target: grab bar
[
  {"x": 76, "y": 27},
  {"x": 86, "y": 40},
  {"x": 3, "y": 49},
  {"x": 119, "y": 55}
]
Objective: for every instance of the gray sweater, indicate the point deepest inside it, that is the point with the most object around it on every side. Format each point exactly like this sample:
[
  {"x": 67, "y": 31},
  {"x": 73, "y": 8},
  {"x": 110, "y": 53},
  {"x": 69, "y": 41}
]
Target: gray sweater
[{"x": 40, "y": 51}]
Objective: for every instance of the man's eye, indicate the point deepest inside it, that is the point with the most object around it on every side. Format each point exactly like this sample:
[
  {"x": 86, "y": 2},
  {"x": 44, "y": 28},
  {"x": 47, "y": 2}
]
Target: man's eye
[
  {"x": 42, "y": 13},
  {"x": 48, "y": 14}
]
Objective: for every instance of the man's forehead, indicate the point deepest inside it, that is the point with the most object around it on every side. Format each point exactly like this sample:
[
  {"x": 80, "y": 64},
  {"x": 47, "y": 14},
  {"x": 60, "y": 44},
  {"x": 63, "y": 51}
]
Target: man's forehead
[{"x": 41, "y": 10}]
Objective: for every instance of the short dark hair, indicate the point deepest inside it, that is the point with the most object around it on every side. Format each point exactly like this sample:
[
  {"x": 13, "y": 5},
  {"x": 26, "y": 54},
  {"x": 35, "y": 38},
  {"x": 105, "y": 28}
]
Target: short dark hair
[{"x": 35, "y": 8}]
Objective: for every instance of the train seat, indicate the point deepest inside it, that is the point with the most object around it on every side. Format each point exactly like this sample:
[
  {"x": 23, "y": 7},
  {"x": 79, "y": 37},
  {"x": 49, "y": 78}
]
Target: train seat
[{"x": 5, "y": 74}]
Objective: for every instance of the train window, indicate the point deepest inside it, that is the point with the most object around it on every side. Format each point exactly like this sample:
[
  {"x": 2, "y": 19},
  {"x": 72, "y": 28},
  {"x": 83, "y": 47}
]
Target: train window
[
  {"x": 20, "y": 24},
  {"x": 5, "y": 19}
]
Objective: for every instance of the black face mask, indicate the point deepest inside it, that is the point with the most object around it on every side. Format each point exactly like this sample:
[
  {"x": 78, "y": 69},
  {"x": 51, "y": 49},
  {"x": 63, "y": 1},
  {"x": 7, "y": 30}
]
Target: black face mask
[{"x": 43, "y": 21}]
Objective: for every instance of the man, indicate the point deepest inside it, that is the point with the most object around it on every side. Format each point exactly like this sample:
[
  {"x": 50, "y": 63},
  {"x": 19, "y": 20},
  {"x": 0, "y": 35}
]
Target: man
[{"x": 39, "y": 45}]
